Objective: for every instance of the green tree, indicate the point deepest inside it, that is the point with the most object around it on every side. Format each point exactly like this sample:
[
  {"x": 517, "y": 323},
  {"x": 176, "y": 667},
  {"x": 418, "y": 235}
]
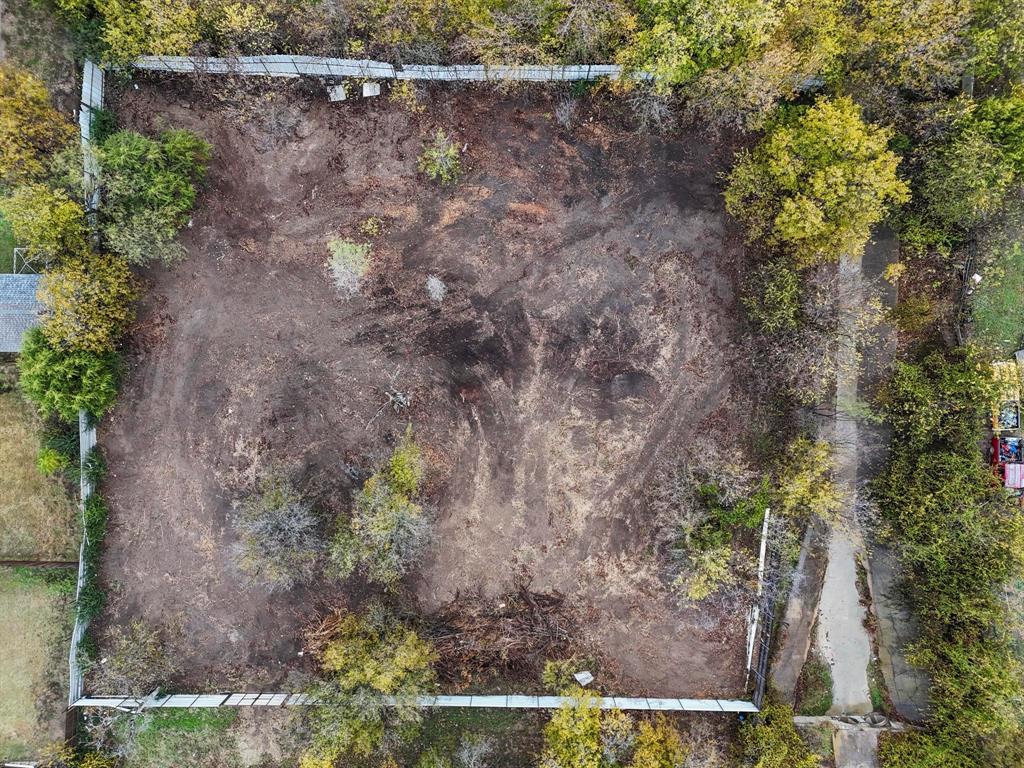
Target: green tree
[
  {"x": 817, "y": 183},
  {"x": 806, "y": 48},
  {"x": 60, "y": 382},
  {"x": 151, "y": 186},
  {"x": 47, "y": 222},
  {"x": 997, "y": 38},
  {"x": 89, "y": 301},
  {"x": 30, "y": 128},
  {"x": 369, "y": 657}
]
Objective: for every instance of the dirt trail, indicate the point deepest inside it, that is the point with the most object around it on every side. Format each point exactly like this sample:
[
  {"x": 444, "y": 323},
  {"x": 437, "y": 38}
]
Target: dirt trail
[{"x": 587, "y": 334}]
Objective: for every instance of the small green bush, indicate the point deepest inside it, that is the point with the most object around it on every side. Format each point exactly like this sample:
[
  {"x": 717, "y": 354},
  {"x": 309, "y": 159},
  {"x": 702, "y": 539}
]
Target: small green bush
[
  {"x": 51, "y": 461},
  {"x": 387, "y": 528},
  {"x": 60, "y": 382},
  {"x": 348, "y": 263},
  {"x": 440, "y": 160},
  {"x": 280, "y": 535},
  {"x": 773, "y": 299}
]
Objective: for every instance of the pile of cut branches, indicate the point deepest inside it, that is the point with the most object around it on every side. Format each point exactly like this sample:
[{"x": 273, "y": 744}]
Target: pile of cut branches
[{"x": 514, "y": 634}]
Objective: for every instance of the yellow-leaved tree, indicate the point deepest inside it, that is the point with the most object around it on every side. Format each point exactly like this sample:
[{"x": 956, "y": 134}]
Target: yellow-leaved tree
[
  {"x": 817, "y": 183},
  {"x": 133, "y": 28},
  {"x": 370, "y": 656},
  {"x": 48, "y": 223},
  {"x": 89, "y": 302},
  {"x": 30, "y": 128}
]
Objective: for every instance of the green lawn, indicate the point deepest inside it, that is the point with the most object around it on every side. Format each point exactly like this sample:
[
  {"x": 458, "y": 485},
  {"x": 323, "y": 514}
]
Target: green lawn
[
  {"x": 184, "y": 737},
  {"x": 37, "y": 519},
  {"x": 35, "y": 614},
  {"x": 998, "y": 302}
]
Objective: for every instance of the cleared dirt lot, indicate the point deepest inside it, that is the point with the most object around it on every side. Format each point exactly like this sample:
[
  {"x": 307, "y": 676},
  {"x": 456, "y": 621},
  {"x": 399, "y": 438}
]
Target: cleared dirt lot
[{"x": 587, "y": 336}]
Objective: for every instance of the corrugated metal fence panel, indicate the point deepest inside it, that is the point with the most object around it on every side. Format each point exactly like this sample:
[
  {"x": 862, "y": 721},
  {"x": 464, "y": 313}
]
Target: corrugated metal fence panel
[
  {"x": 291, "y": 66},
  {"x": 476, "y": 702}
]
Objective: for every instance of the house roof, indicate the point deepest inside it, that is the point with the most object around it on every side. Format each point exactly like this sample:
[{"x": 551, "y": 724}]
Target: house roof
[{"x": 19, "y": 309}]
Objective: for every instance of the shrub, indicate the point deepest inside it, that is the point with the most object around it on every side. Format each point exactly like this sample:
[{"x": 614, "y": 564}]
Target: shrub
[
  {"x": 279, "y": 533},
  {"x": 51, "y": 461},
  {"x": 474, "y": 751},
  {"x": 804, "y": 486},
  {"x": 30, "y": 128},
  {"x": 708, "y": 571},
  {"x": 150, "y": 190},
  {"x": 370, "y": 656},
  {"x": 135, "y": 662},
  {"x": 348, "y": 263},
  {"x": 440, "y": 160},
  {"x": 658, "y": 745},
  {"x": 770, "y": 740},
  {"x": 62, "y": 381},
  {"x": 245, "y": 29},
  {"x": 436, "y": 289},
  {"x": 47, "y": 222},
  {"x": 387, "y": 529},
  {"x": 773, "y": 301},
  {"x": 557, "y": 675},
  {"x": 433, "y": 758},
  {"x": 965, "y": 181},
  {"x": 817, "y": 183},
  {"x": 89, "y": 302},
  {"x": 703, "y": 551},
  {"x": 572, "y": 738}
]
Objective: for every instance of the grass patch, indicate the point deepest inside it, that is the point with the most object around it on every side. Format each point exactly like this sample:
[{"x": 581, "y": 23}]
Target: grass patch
[
  {"x": 877, "y": 689},
  {"x": 998, "y": 302},
  {"x": 34, "y": 614},
  {"x": 6, "y": 247},
  {"x": 814, "y": 687},
  {"x": 181, "y": 737},
  {"x": 514, "y": 736},
  {"x": 37, "y": 518}
]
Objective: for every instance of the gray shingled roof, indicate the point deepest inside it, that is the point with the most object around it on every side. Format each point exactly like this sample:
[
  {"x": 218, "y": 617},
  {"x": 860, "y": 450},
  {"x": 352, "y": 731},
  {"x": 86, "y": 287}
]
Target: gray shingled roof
[{"x": 19, "y": 309}]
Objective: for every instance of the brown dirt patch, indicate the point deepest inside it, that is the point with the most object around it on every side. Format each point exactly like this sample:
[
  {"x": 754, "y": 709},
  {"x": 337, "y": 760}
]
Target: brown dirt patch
[{"x": 587, "y": 334}]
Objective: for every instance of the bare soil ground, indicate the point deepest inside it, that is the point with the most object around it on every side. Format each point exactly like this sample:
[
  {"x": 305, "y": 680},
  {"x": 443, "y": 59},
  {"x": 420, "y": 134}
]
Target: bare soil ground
[{"x": 588, "y": 335}]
